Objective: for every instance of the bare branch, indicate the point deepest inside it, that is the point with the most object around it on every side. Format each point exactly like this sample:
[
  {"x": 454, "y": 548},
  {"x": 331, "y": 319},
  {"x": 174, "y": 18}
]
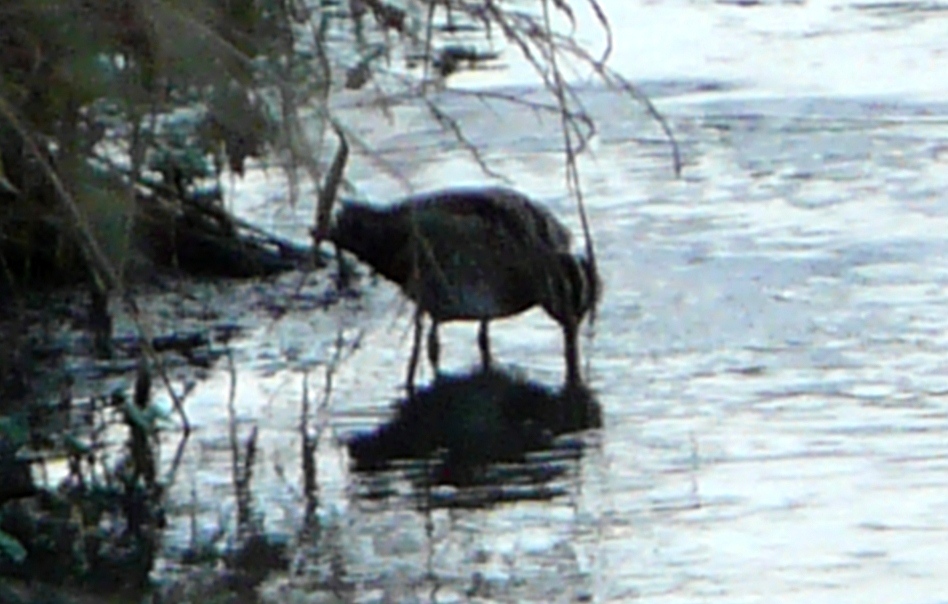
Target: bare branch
[{"x": 449, "y": 123}]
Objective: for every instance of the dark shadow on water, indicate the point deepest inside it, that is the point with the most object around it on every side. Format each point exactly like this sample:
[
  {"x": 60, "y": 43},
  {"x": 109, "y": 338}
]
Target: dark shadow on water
[{"x": 495, "y": 435}]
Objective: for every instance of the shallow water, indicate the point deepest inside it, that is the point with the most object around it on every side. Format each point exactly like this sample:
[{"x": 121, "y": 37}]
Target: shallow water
[{"x": 768, "y": 354}]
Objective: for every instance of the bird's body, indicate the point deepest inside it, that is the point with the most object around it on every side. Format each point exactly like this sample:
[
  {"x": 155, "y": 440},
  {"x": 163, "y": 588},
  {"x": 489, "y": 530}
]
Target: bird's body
[{"x": 473, "y": 254}]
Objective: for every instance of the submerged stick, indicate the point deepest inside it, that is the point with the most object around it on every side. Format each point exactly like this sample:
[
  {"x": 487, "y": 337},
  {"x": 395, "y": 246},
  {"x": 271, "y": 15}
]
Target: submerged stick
[
  {"x": 326, "y": 198},
  {"x": 329, "y": 192}
]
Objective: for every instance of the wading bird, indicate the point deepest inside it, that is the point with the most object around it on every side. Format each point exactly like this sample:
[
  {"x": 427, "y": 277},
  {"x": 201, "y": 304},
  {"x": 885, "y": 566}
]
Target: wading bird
[{"x": 473, "y": 254}]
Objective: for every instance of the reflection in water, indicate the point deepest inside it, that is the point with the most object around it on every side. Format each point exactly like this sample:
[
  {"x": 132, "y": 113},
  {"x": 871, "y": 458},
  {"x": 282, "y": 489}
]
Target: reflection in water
[
  {"x": 495, "y": 433},
  {"x": 770, "y": 355}
]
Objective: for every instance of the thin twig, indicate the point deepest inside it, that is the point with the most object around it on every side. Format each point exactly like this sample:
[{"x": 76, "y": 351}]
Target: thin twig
[
  {"x": 572, "y": 170},
  {"x": 102, "y": 271},
  {"x": 451, "y": 125}
]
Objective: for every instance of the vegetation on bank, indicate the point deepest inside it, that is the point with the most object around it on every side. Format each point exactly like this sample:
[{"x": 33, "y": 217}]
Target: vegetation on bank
[{"x": 118, "y": 120}]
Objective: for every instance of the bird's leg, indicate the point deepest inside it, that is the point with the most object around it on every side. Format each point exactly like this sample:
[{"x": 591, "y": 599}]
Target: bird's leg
[
  {"x": 483, "y": 342},
  {"x": 415, "y": 349},
  {"x": 571, "y": 350},
  {"x": 434, "y": 346}
]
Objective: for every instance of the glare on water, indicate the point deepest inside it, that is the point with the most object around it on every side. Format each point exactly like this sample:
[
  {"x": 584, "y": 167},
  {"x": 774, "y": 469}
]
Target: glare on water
[{"x": 769, "y": 355}]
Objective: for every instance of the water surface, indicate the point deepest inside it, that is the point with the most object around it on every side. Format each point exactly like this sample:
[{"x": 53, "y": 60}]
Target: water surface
[{"x": 769, "y": 353}]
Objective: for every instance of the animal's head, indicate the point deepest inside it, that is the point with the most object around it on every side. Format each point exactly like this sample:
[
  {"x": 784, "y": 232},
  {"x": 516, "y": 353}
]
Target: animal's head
[
  {"x": 375, "y": 235},
  {"x": 573, "y": 287},
  {"x": 350, "y": 225}
]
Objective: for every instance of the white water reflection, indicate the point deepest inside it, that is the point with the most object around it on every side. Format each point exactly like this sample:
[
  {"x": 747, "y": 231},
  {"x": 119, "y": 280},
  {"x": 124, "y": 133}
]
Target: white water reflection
[
  {"x": 776, "y": 49},
  {"x": 770, "y": 353}
]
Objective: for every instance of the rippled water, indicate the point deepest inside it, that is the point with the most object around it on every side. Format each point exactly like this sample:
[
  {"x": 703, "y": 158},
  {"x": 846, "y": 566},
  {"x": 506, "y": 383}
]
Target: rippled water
[{"x": 769, "y": 354}]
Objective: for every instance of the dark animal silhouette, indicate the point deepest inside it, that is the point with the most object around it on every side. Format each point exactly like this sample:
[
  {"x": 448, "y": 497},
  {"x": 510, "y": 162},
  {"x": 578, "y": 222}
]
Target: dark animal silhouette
[{"x": 473, "y": 254}]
